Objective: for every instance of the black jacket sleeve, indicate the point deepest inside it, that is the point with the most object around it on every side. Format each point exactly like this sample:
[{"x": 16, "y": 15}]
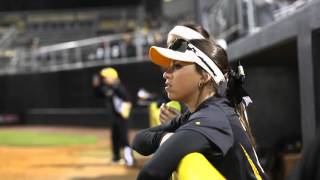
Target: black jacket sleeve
[
  {"x": 147, "y": 141},
  {"x": 166, "y": 159}
]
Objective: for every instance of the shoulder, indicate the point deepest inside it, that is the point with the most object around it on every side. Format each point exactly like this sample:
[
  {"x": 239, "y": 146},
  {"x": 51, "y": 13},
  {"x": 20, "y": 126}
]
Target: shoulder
[
  {"x": 121, "y": 90},
  {"x": 213, "y": 115},
  {"x": 212, "y": 122}
]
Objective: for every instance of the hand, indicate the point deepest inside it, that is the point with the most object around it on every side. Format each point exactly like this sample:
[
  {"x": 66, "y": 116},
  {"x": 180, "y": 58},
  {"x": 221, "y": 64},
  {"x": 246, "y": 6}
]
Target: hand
[
  {"x": 167, "y": 113},
  {"x": 95, "y": 81}
]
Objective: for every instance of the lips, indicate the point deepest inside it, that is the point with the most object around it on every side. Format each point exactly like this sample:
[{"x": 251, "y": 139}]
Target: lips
[{"x": 167, "y": 86}]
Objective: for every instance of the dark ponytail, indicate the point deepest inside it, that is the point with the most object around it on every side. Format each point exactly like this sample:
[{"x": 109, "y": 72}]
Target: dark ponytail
[
  {"x": 234, "y": 90},
  {"x": 240, "y": 99}
]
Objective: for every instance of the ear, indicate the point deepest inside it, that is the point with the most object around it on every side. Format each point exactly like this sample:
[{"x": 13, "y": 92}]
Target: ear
[{"x": 205, "y": 78}]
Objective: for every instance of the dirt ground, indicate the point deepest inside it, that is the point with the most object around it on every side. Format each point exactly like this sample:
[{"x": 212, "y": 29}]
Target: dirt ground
[{"x": 81, "y": 162}]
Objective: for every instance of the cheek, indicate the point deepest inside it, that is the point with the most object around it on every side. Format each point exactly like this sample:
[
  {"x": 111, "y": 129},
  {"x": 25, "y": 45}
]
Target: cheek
[
  {"x": 185, "y": 82},
  {"x": 182, "y": 90},
  {"x": 189, "y": 86}
]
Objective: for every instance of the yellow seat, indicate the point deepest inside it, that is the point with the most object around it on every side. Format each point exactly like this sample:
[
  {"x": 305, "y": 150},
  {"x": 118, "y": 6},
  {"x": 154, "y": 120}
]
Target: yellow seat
[{"x": 195, "y": 166}]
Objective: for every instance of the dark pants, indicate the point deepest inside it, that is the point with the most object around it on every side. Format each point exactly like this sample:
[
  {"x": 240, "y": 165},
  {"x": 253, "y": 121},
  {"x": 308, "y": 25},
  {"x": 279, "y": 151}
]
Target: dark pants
[{"x": 119, "y": 136}]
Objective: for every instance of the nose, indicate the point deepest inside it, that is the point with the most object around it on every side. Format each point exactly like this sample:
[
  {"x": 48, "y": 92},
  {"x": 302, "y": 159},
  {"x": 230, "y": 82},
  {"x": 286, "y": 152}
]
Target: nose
[{"x": 166, "y": 75}]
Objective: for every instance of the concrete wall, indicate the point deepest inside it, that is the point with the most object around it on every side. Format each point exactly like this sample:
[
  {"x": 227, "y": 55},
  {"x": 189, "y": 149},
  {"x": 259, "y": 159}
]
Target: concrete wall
[
  {"x": 272, "y": 82},
  {"x": 291, "y": 47}
]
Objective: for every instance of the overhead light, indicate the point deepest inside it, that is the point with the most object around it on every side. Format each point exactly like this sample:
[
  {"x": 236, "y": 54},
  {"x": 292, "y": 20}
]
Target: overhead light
[{"x": 167, "y": 0}]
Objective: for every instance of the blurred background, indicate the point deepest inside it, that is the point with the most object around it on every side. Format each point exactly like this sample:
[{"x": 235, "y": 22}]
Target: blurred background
[{"x": 50, "y": 49}]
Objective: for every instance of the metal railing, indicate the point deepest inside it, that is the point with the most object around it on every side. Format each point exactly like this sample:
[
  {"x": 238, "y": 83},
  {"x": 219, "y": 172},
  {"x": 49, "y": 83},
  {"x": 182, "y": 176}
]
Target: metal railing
[
  {"x": 7, "y": 37},
  {"x": 97, "y": 51},
  {"x": 231, "y": 19}
]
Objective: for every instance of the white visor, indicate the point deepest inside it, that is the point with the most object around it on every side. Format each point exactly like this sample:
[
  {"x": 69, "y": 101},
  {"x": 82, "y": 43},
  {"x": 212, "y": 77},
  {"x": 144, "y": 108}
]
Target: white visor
[
  {"x": 185, "y": 33},
  {"x": 164, "y": 56}
]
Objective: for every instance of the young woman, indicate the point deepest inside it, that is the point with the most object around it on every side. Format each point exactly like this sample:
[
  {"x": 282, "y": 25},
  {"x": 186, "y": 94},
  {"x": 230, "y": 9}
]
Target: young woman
[
  {"x": 187, "y": 31},
  {"x": 198, "y": 75}
]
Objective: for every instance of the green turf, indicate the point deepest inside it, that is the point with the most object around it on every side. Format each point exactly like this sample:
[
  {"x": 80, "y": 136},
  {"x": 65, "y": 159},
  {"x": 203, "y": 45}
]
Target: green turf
[{"x": 21, "y": 138}]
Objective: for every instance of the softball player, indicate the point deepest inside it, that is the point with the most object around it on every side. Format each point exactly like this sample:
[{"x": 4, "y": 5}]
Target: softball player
[
  {"x": 118, "y": 98},
  {"x": 215, "y": 124}
]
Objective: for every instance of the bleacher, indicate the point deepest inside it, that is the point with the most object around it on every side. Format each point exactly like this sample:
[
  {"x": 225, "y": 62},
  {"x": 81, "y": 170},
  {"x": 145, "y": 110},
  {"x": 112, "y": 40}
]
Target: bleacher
[
  {"x": 51, "y": 27},
  {"x": 40, "y": 32}
]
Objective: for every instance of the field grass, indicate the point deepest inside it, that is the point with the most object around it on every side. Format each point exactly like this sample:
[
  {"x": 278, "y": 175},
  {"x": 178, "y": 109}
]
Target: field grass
[{"x": 20, "y": 138}]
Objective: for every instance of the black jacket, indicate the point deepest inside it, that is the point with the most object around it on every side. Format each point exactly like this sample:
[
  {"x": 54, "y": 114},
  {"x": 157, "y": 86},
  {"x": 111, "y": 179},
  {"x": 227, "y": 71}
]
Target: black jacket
[{"x": 223, "y": 141}]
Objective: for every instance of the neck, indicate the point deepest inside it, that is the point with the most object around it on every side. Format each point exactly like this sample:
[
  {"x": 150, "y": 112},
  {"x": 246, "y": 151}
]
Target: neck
[{"x": 200, "y": 96}]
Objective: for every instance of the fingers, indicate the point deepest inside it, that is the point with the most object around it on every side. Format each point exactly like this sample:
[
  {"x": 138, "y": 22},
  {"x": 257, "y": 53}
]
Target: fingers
[
  {"x": 95, "y": 80},
  {"x": 163, "y": 114},
  {"x": 173, "y": 111},
  {"x": 163, "y": 118},
  {"x": 167, "y": 113}
]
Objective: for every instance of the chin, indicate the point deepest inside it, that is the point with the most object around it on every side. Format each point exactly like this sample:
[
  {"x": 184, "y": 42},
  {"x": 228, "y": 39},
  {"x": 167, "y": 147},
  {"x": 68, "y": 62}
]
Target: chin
[
  {"x": 173, "y": 97},
  {"x": 170, "y": 96}
]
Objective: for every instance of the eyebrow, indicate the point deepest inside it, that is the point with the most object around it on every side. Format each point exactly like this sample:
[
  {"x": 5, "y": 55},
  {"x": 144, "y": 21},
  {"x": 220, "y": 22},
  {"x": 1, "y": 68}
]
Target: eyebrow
[{"x": 178, "y": 62}]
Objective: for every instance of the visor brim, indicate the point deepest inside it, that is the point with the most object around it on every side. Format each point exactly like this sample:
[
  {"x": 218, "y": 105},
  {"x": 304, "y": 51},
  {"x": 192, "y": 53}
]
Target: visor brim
[{"x": 164, "y": 56}]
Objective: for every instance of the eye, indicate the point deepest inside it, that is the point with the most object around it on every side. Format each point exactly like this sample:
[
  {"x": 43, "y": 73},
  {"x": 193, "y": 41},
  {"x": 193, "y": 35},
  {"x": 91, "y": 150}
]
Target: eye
[{"x": 177, "y": 66}]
